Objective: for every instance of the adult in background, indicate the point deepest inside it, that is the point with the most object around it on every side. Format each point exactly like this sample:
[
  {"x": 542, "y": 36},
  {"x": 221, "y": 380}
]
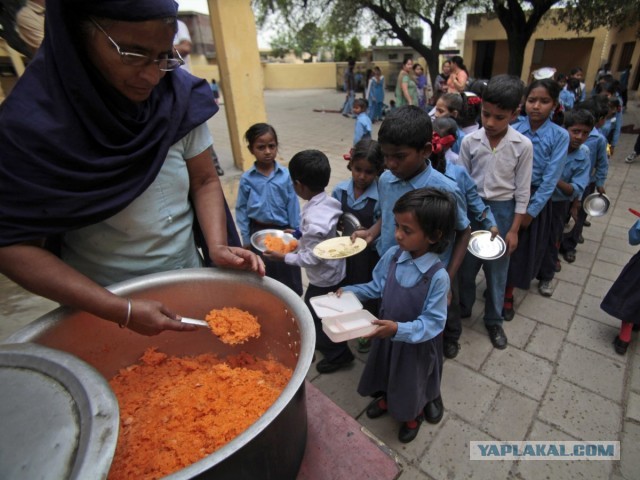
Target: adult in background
[
  {"x": 406, "y": 88},
  {"x": 440, "y": 86},
  {"x": 30, "y": 23},
  {"x": 349, "y": 88},
  {"x": 105, "y": 160},
  {"x": 421, "y": 84},
  {"x": 182, "y": 44},
  {"x": 458, "y": 77}
]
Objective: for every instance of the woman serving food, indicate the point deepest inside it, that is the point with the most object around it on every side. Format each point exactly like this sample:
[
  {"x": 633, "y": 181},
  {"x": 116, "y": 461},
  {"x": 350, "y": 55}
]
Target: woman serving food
[{"x": 105, "y": 167}]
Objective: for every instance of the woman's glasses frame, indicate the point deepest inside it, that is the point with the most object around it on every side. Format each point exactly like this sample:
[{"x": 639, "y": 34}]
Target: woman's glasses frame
[{"x": 167, "y": 64}]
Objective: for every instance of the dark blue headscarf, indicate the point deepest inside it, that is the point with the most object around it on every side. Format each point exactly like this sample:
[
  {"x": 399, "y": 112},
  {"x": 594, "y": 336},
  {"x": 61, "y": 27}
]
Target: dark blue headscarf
[{"x": 73, "y": 151}]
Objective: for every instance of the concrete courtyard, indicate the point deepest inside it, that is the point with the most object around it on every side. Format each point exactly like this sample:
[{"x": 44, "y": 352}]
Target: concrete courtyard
[{"x": 559, "y": 378}]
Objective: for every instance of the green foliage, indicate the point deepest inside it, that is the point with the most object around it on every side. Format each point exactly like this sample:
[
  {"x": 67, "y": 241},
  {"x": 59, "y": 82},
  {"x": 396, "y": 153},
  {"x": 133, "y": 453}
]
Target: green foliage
[
  {"x": 587, "y": 15},
  {"x": 340, "y": 53}
]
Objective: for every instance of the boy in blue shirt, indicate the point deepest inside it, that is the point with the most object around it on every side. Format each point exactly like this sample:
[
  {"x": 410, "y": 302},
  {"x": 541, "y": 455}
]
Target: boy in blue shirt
[
  {"x": 599, "y": 167},
  {"x": 363, "y": 122},
  {"x": 572, "y": 183},
  {"x": 405, "y": 141}
]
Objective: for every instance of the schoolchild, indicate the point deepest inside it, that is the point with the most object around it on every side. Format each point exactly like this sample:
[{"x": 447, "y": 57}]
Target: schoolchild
[
  {"x": 444, "y": 131},
  {"x": 581, "y": 91},
  {"x": 266, "y": 200},
  {"x": 310, "y": 171},
  {"x": 613, "y": 125},
  {"x": 499, "y": 160},
  {"x": 405, "y": 142},
  {"x": 359, "y": 196},
  {"x": 375, "y": 95},
  {"x": 566, "y": 196},
  {"x": 599, "y": 167},
  {"x": 363, "y": 122},
  {"x": 450, "y": 105},
  {"x": 623, "y": 298},
  {"x": 569, "y": 93},
  {"x": 404, "y": 367},
  {"x": 469, "y": 117},
  {"x": 550, "y": 146}
]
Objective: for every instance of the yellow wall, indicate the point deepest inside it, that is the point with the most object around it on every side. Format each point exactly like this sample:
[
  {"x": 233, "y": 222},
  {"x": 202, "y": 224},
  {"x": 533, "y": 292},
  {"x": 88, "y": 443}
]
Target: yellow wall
[{"x": 279, "y": 76}]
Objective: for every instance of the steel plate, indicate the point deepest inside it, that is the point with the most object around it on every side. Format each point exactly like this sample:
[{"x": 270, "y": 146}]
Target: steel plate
[
  {"x": 257, "y": 239},
  {"x": 483, "y": 247},
  {"x": 596, "y": 204}
]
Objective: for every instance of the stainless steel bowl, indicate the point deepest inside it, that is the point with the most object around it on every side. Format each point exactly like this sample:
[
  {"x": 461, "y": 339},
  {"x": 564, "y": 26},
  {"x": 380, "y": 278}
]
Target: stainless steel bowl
[
  {"x": 257, "y": 239},
  {"x": 348, "y": 224},
  {"x": 596, "y": 204},
  {"x": 274, "y": 445}
]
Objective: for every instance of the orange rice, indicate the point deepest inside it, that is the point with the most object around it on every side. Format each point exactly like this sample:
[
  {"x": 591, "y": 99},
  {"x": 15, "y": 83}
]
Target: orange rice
[
  {"x": 277, "y": 244},
  {"x": 175, "y": 411},
  {"x": 233, "y": 325}
]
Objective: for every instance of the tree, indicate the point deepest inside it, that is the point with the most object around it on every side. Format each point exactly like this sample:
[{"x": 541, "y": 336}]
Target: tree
[
  {"x": 309, "y": 38},
  {"x": 395, "y": 19},
  {"x": 587, "y": 15},
  {"x": 519, "y": 24}
]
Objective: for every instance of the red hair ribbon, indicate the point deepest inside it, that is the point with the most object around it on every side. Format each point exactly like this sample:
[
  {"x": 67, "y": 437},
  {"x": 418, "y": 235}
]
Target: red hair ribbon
[
  {"x": 473, "y": 100},
  {"x": 438, "y": 144}
]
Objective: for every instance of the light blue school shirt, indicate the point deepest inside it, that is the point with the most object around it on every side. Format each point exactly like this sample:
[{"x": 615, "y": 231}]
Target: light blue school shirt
[
  {"x": 613, "y": 124},
  {"x": 576, "y": 172},
  {"x": 599, "y": 167},
  {"x": 352, "y": 202},
  {"x": 154, "y": 233},
  {"x": 391, "y": 188},
  {"x": 455, "y": 148},
  {"x": 634, "y": 233},
  {"x": 550, "y": 147},
  {"x": 266, "y": 199},
  {"x": 567, "y": 99},
  {"x": 409, "y": 271},
  {"x": 473, "y": 204},
  {"x": 363, "y": 127}
]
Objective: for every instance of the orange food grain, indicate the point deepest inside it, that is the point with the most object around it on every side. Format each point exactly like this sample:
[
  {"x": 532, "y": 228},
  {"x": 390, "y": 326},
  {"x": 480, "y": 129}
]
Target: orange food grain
[
  {"x": 233, "y": 325},
  {"x": 277, "y": 244},
  {"x": 175, "y": 411}
]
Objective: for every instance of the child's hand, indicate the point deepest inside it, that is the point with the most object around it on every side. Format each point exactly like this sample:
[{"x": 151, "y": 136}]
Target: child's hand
[
  {"x": 385, "y": 329},
  {"x": 526, "y": 221},
  {"x": 494, "y": 232},
  {"x": 511, "y": 240},
  {"x": 338, "y": 293},
  {"x": 600, "y": 190},
  {"x": 273, "y": 256},
  {"x": 365, "y": 234}
]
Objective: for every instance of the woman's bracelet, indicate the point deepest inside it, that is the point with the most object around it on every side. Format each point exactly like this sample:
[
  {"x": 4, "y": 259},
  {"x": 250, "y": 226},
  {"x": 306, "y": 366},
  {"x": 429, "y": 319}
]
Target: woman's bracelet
[{"x": 129, "y": 309}]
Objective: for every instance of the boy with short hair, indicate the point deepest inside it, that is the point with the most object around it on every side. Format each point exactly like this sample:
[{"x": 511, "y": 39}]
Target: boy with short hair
[
  {"x": 405, "y": 141},
  {"x": 599, "y": 167},
  {"x": 363, "y": 122},
  {"x": 500, "y": 161},
  {"x": 310, "y": 171},
  {"x": 572, "y": 183}
]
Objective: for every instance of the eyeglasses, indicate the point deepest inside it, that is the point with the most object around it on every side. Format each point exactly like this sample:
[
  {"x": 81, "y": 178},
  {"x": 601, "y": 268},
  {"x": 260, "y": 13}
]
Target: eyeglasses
[{"x": 166, "y": 64}]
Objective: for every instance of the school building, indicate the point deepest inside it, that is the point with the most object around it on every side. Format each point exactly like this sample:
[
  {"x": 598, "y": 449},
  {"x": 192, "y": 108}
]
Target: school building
[{"x": 486, "y": 52}]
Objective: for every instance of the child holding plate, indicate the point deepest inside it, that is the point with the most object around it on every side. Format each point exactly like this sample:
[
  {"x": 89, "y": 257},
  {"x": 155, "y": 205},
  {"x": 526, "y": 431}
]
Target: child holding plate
[
  {"x": 310, "y": 171},
  {"x": 266, "y": 200},
  {"x": 404, "y": 366}
]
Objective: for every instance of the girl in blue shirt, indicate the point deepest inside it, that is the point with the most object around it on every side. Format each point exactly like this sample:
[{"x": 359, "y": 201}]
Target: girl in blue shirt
[
  {"x": 266, "y": 199},
  {"x": 359, "y": 196},
  {"x": 623, "y": 299},
  {"x": 550, "y": 147},
  {"x": 404, "y": 366}
]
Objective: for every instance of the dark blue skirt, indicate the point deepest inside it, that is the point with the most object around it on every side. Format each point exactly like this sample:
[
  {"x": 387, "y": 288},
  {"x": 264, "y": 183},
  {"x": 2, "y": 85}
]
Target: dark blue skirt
[{"x": 623, "y": 298}]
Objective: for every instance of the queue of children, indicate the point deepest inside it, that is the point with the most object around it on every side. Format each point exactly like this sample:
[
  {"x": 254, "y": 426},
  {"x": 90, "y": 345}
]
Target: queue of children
[{"x": 515, "y": 173}]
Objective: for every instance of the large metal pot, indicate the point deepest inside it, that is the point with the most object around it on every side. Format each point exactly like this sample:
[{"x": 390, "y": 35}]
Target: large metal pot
[{"x": 273, "y": 447}]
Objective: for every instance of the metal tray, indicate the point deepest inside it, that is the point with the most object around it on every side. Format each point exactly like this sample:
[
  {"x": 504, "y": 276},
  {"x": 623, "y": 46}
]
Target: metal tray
[
  {"x": 257, "y": 239},
  {"x": 348, "y": 224},
  {"x": 59, "y": 417},
  {"x": 596, "y": 204},
  {"x": 483, "y": 247}
]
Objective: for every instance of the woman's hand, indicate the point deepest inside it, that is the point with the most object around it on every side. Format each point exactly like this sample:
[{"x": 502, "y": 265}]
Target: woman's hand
[
  {"x": 274, "y": 256},
  {"x": 149, "y": 318},
  {"x": 384, "y": 329},
  {"x": 236, "y": 257}
]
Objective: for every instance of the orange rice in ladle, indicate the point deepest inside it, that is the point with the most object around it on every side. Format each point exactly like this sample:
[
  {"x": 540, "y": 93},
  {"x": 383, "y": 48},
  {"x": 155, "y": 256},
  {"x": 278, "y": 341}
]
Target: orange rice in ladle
[
  {"x": 175, "y": 411},
  {"x": 232, "y": 325}
]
